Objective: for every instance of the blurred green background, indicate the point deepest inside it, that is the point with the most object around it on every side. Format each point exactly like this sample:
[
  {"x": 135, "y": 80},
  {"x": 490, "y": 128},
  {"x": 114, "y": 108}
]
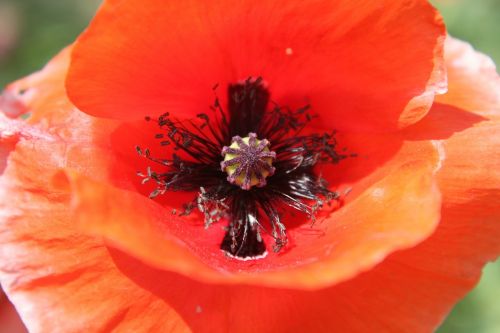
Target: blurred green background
[{"x": 32, "y": 31}]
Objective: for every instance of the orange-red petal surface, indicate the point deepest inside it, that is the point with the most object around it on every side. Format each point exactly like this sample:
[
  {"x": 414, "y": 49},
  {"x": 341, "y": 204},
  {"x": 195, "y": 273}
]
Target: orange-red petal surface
[
  {"x": 142, "y": 58},
  {"x": 51, "y": 271},
  {"x": 62, "y": 280},
  {"x": 473, "y": 80},
  {"x": 350, "y": 240},
  {"x": 59, "y": 279},
  {"x": 469, "y": 180}
]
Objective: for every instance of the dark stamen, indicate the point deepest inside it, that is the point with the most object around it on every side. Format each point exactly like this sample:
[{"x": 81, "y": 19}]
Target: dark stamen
[{"x": 281, "y": 165}]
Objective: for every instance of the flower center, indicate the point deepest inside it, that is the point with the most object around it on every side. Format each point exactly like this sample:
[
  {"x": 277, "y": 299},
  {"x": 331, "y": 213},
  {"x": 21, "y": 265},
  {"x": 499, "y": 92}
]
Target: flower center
[
  {"x": 248, "y": 161},
  {"x": 238, "y": 186}
]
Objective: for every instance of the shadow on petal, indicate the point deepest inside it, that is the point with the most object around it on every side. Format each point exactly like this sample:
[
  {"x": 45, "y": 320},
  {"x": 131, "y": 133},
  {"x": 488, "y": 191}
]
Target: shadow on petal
[{"x": 442, "y": 122}]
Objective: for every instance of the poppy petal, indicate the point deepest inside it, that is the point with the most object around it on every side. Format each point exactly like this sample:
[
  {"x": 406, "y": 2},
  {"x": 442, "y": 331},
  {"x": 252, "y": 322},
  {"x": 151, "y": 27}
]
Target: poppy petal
[
  {"x": 40, "y": 272},
  {"x": 449, "y": 263},
  {"x": 339, "y": 248},
  {"x": 474, "y": 81},
  {"x": 470, "y": 177},
  {"x": 59, "y": 279},
  {"x": 50, "y": 271},
  {"x": 342, "y": 61},
  {"x": 411, "y": 290}
]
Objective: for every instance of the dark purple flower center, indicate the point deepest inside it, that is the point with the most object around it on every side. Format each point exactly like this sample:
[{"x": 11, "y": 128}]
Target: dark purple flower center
[{"x": 247, "y": 165}]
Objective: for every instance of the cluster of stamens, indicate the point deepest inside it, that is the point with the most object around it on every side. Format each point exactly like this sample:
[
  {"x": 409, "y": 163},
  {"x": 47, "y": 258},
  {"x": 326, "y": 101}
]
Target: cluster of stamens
[
  {"x": 248, "y": 161},
  {"x": 249, "y": 184}
]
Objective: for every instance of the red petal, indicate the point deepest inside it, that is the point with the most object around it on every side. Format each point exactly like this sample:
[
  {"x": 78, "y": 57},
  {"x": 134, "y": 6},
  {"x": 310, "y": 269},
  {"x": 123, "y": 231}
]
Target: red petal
[
  {"x": 419, "y": 286},
  {"x": 350, "y": 240},
  {"x": 375, "y": 66},
  {"x": 59, "y": 279},
  {"x": 53, "y": 273}
]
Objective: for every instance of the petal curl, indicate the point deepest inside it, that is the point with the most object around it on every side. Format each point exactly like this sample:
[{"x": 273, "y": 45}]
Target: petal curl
[
  {"x": 474, "y": 83},
  {"x": 141, "y": 58},
  {"x": 470, "y": 177}
]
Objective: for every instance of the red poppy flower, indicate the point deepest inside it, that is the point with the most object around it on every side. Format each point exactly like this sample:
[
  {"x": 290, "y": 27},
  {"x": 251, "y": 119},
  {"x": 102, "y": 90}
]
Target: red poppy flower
[{"x": 83, "y": 248}]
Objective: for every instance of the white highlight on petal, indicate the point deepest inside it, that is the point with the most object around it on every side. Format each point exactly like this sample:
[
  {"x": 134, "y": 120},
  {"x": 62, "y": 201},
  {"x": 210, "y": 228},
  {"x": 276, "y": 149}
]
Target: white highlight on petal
[
  {"x": 378, "y": 192},
  {"x": 466, "y": 57},
  {"x": 10, "y": 128},
  {"x": 262, "y": 256},
  {"x": 288, "y": 51}
]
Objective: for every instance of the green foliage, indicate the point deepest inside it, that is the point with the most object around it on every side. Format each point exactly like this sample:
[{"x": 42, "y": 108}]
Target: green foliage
[
  {"x": 43, "y": 28},
  {"x": 477, "y": 22},
  {"x": 479, "y": 311}
]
